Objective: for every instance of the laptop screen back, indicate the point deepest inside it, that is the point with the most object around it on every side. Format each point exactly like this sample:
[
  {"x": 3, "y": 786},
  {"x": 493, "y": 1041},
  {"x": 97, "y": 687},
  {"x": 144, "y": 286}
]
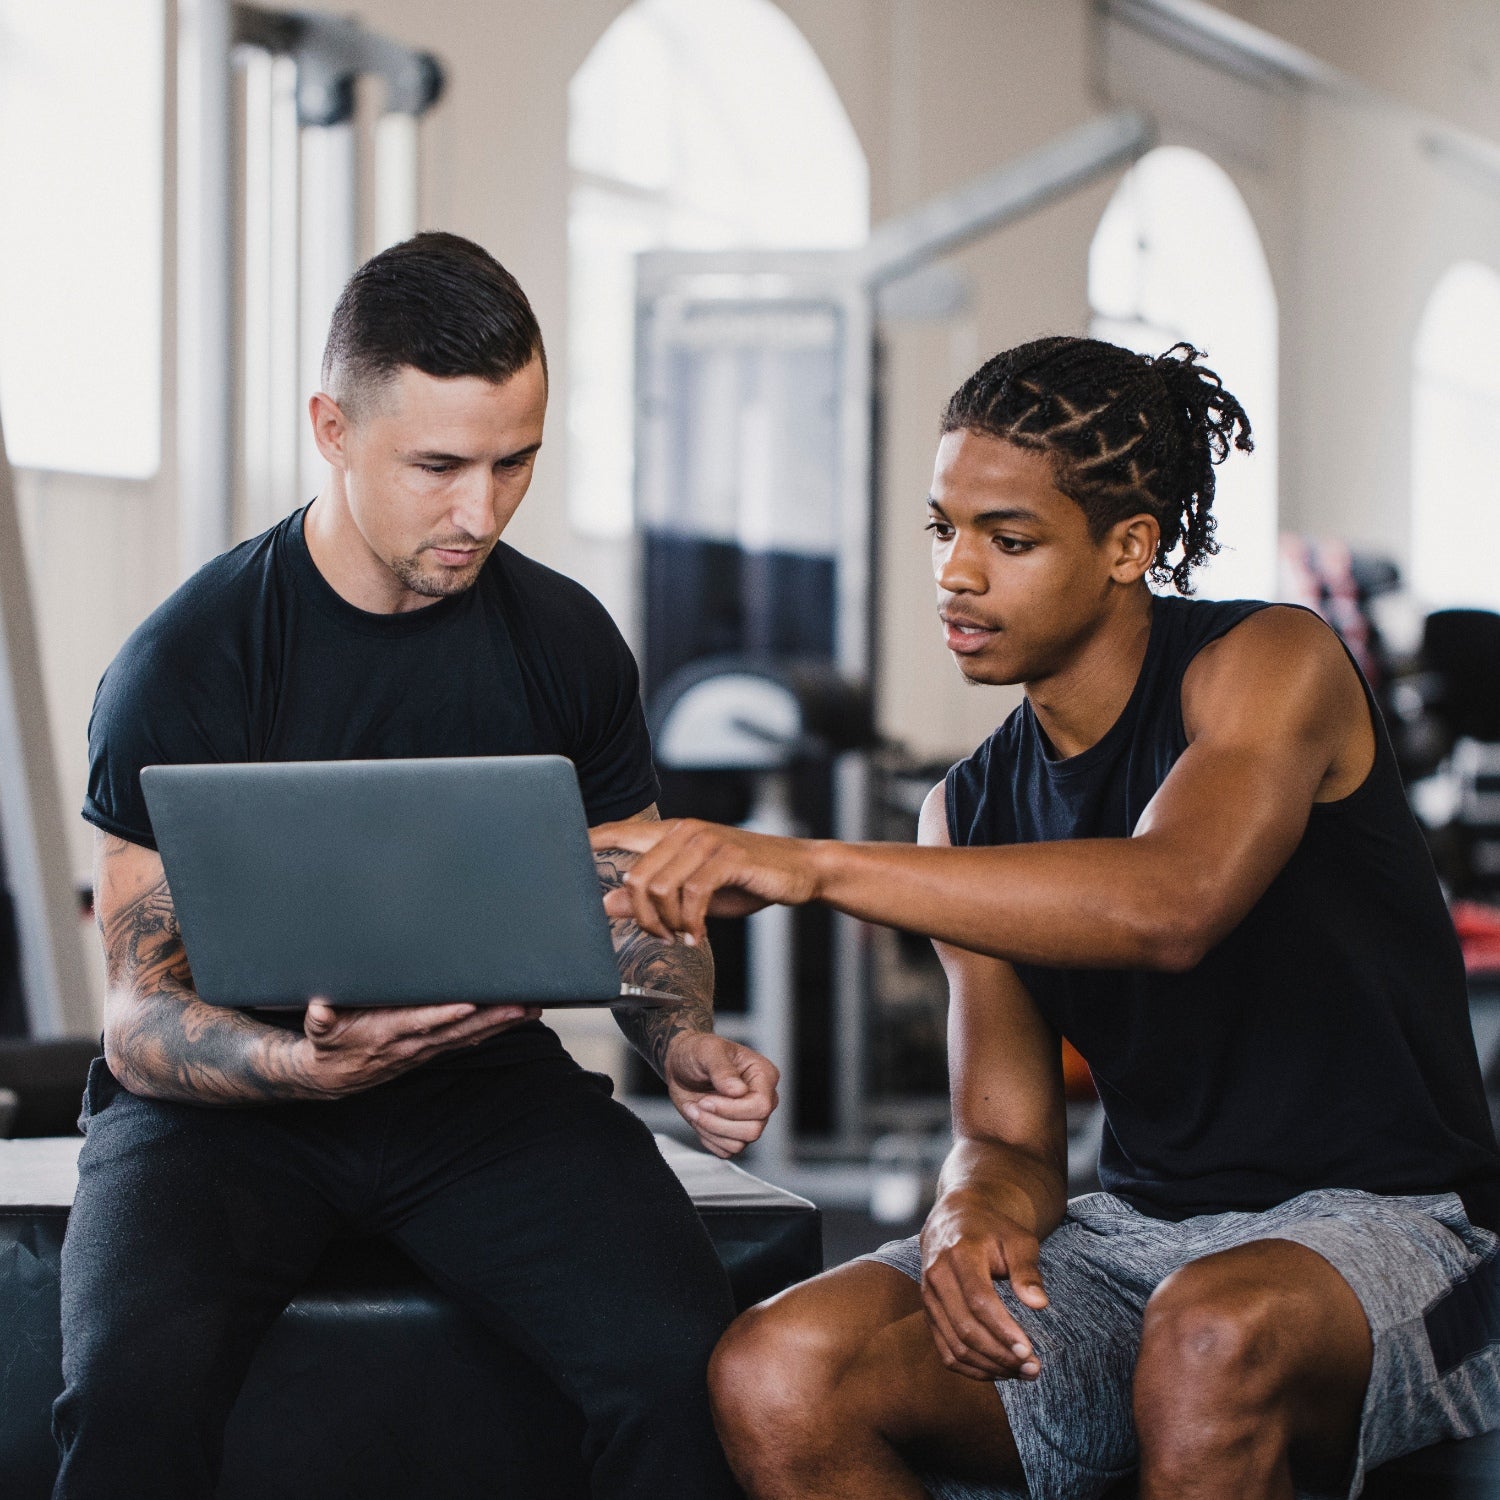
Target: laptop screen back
[{"x": 384, "y": 882}]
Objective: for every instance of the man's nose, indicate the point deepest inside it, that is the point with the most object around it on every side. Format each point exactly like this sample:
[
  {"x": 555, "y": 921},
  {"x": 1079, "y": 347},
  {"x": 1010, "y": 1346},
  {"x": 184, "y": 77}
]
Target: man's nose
[
  {"x": 959, "y": 569},
  {"x": 474, "y": 506}
]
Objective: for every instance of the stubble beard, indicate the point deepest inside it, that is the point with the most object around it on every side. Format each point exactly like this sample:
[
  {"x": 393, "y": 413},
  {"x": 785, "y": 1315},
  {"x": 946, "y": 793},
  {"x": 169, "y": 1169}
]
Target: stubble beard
[{"x": 437, "y": 582}]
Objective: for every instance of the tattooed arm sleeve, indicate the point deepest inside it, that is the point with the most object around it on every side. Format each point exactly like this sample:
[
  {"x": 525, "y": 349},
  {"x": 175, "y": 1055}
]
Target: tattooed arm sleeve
[
  {"x": 653, "y": 964},
  {"x": 161, "y": 1040}
]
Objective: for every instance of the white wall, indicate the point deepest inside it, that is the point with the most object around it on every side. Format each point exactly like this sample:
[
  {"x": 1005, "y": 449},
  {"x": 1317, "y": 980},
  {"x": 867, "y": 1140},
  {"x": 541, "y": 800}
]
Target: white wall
[{"x": 1358, "y": 224}]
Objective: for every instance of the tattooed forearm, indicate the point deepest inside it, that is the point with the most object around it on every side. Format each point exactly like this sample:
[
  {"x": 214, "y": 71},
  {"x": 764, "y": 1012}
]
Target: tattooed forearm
[
  {"x": 653, "y": 964},
  {"x": 161, "y": 1039}
]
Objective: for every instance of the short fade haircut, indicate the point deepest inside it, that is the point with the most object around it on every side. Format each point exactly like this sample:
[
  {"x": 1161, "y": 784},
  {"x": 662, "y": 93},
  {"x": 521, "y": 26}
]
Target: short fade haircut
[{"x": 437, "y": 302}]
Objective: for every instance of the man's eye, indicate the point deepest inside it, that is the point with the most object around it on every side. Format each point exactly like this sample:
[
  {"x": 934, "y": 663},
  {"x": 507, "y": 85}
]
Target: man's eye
[
  {"x": 436, "y": 468},
  {"x": 1015, "y": 544},
  {"x": 939, "y": 529}
]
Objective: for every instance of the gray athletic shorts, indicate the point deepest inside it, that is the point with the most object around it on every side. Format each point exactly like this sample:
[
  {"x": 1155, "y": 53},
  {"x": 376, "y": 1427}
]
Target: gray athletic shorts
[{"x": 1429, "y": 1282}]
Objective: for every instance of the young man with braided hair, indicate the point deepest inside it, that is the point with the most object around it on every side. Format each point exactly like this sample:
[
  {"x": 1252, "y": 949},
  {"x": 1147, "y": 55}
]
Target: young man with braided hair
[{"x": 1189, "y": 853}]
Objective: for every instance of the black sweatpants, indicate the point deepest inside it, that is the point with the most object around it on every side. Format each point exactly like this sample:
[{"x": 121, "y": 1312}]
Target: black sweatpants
[{"x": 522, "y": 1189}]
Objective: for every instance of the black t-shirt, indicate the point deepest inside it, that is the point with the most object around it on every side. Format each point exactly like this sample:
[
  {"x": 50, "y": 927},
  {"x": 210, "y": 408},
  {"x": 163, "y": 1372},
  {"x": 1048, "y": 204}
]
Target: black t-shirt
[
  {"x": 257, "y": 658},
  {"x": 1325, "y": 1042}
]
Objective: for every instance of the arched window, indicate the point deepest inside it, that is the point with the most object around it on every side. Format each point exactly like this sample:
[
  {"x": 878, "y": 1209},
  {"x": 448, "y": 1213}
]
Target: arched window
[
  {"x": 694, "y": 124},
  {"x": 1455, "y": 521},
  {"x": 1177, "y": 256}
]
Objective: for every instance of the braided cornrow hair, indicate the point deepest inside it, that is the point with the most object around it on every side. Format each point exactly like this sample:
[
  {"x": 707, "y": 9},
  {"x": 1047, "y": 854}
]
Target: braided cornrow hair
[{"x": 1127, "y": 433}]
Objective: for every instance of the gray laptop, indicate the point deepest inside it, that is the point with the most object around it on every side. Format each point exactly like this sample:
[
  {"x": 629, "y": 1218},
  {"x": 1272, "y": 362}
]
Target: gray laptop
[{"x": 387, "y": 882}]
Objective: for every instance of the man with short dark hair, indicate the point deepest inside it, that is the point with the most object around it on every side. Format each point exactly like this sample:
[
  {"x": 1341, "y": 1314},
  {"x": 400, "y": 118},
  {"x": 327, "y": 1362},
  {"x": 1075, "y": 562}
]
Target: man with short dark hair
[{"x": 225, "y": 1149}]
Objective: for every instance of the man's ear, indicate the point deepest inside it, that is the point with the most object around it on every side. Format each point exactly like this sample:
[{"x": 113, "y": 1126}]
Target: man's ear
[
  {"x": 330, "y": 428},
  {"x": 1132, "y": 545}
]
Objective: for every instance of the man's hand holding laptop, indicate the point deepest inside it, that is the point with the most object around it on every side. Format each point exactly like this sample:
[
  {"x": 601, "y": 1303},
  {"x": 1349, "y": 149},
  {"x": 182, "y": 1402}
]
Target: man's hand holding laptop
[{"x": 352, "y": 1049}]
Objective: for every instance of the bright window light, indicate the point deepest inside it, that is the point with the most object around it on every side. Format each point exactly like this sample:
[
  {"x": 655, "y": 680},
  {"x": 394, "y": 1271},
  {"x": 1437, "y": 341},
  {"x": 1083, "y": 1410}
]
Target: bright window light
[
  {"x": 81, "y": 120},
  {"x": 694, "y": 124},
  {"x": 1455, "y": 399},
  {"x": 1177, "y": 256}
]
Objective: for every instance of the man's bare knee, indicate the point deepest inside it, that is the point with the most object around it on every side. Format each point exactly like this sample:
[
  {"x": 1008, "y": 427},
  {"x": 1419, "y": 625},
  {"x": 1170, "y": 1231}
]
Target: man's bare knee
[
  {"x": 1215, "y": 1343},
  {"x": 773, "y": 1361},
  {"x": 776, "y": 1380},
  {"x": 1213, "y": 1376}
]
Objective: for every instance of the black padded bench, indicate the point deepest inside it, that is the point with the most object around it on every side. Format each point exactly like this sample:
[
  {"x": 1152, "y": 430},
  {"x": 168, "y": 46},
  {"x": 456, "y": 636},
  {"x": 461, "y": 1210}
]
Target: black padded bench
[{"x": 373, "y": 1385}]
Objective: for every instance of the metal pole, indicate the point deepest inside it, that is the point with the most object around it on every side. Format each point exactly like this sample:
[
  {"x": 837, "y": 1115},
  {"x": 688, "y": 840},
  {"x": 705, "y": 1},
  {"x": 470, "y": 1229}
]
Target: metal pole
[
  {"x": 770, "y": 967},
  {"x": 1051, "y": 172},
  {"x": 330, "y": 227},
  {"x": 31, "y": 818},
  {"x": 286, "y": 397},
  {"x": 397, "y": 137},
  {"x": 205, "y": 280},
  {"x": 258, "y": 326}
]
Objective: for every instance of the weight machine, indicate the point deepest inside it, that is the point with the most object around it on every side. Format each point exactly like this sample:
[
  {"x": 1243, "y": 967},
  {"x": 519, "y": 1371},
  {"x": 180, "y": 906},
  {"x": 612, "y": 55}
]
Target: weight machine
[
  {"x": 755, "y": 444},
  {"x": 269, "y": 167}
]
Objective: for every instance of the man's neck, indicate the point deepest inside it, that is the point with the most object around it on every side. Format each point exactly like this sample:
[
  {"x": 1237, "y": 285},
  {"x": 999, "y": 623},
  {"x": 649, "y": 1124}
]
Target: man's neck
[
  {"x": 1077, "y": 705},
  {"x": 341, "y": 554}
]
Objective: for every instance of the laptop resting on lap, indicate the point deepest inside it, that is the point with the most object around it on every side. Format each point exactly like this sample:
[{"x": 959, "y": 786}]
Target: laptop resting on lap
[{"x": 387, "y": 882}]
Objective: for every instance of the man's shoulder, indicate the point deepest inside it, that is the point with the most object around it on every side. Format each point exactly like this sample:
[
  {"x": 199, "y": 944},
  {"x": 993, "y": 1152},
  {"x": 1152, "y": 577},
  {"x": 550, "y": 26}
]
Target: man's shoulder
[
  {"x": 547, "y": 605},
  {"x": 1256, "y": 626},
  {"x": 207, "y": 613},
  {"x": 535, "y": 584},
  {"x": 1239, "y": 644}
]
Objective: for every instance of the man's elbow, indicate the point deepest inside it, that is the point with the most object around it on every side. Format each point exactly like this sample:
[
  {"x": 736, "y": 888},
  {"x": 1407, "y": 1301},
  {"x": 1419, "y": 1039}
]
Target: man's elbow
[
  {"x": 1175, "y": 937},
  {"x": 1174, "y": 953},
  {"x": 119, "y": 1053}
]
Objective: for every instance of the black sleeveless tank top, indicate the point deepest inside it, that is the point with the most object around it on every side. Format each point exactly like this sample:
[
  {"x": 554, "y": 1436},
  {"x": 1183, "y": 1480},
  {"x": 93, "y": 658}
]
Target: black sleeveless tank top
[{"x": 1324, "y": 1043}]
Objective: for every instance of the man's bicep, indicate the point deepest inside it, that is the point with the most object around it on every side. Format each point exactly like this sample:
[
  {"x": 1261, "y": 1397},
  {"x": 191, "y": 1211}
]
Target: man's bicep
[
  {"x": 612, "y": 864},
  {"x": 1280, "y": 685}
]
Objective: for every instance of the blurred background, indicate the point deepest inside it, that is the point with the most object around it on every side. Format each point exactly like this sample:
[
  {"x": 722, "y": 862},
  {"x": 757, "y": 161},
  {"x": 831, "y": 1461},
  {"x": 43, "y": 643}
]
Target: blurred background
[{"x": 765, "y": 241}]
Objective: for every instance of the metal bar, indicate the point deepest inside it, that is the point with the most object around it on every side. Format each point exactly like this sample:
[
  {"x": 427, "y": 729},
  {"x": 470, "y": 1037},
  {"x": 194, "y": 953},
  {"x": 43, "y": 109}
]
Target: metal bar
[
  {"x": 1224, "y": 41},
  {"x": 903, "y": 245},
  {"x": 770, "y": 962},
  {"x": 205, "y": 281},
  {"x": 854, "y": 647},
  {"x": 271, "y": 30},
  {"x": 330, "y": 226},
  {"x": 286, "y": 399},
  {"x": 270, "y": 383},
  {"x": 1468, "y": 158},
  {"x": 331, "y": 52},
  {"x": 257, "y": 329},
  {"x": 397, "y": 178},
  {"x": 37, "y": 864}
]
